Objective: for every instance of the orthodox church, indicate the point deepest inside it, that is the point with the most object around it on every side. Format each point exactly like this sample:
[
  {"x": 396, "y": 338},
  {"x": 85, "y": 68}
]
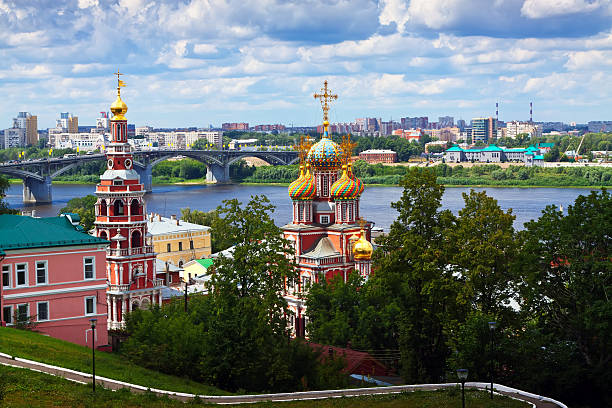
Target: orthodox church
[
  {"x": 121, "y": 218},
  {"x": 329, "y": 235}
]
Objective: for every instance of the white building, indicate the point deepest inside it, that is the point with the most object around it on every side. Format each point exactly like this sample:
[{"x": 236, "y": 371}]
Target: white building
[
  {"x": 515, "y": 128},
  {"x": 14, "y": 137},
  {"x": 183, "y": 140},
  {"x": 82, "y": 141}
]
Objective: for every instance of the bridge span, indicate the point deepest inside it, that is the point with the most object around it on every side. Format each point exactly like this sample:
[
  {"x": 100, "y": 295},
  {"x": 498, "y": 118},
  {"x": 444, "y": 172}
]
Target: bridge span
[{"x": 37, "y": 175}]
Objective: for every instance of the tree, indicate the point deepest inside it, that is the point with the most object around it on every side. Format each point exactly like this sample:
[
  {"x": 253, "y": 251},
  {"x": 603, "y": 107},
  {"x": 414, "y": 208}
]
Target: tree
[
  {"x": 411, "y": 270},
  {"x": 85, "y": 207},
  {"x": 236, "y": 337},
  {"x": 4, "y": 208},
  {"x": 219, "y": 239},
  {"x": 568, "y": 281},
  {"x": 485, "y": 249}
]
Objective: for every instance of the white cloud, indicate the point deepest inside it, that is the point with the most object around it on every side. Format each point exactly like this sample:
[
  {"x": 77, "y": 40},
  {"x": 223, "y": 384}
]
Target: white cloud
[
  {"x": 550, "y": 8},
  {"x": 588, "y": 60},
  {"x": 83, "y": 4},
  {"x": 204, "y": 48}
]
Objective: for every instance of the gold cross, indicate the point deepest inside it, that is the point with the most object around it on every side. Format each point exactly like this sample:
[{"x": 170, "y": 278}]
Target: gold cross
[
  {"x": 361, "y": 222},
  {"x": 120, "y": 83},
  {"x": 325, "y": 97},
  {"x": 347, "y": 147},
  {"x": 303, "y": 147}
]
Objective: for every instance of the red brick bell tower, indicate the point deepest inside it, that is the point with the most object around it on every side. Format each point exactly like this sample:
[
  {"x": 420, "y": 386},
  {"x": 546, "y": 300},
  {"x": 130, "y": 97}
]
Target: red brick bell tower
[{"x": 121, "y": 219}]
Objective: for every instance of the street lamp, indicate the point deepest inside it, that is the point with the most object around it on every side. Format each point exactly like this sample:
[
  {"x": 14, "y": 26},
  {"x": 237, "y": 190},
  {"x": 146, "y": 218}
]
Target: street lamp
[
  {"x": 93, "y": 354},
  {"x": 492, "y": 326},
  {"x": 462, "y": 374}
]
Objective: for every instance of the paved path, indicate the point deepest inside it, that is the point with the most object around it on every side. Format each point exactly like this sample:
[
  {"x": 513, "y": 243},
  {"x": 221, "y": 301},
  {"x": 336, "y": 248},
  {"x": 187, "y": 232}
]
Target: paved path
[{"x": 109, "y": 383}]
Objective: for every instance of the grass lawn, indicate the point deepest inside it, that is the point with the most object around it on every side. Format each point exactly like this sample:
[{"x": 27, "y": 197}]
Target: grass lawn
[
  {"x": 24, "y": 388},
  {"x": 37, "y": 347}
]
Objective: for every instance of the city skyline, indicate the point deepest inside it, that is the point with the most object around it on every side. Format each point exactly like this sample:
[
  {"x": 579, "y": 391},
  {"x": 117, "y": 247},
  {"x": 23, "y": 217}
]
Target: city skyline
[{"x": 197, "y": 63}]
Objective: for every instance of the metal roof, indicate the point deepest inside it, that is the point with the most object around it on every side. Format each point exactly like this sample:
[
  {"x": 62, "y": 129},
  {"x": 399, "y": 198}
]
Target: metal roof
[{"x": 19, "y": 231}]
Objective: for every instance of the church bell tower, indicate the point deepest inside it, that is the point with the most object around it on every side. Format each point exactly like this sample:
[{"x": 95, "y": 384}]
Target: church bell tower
[{"x": 121, "y": 218}]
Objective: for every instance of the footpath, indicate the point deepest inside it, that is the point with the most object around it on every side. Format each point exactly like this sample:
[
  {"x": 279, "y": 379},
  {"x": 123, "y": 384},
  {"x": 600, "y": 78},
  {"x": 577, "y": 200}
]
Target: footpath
[{"x": 536, "y": 401}]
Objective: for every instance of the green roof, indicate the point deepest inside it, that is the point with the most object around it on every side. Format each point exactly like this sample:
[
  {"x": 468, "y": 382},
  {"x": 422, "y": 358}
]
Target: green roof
[
  {"x": 539, "y": 157},
  {"x": 532, "y": 148},
  {"x": 551, "y": 145},
  {"x": 206, "y": 263},
  {"x": 455, "y": 148},
  {"x": 18, "y": 231},
  {"x": 492, "y": 148}
]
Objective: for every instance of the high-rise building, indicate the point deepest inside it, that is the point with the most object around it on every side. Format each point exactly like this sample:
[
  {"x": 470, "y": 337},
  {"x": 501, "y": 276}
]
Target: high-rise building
[
  {"x": 484, "y": 130},
  {"x": 14, "y": 137},
  {"x": 446, "y": 121},
  {"x": 120, "y": 211},
  {"x": 103, "y": 121},
  {"x": 415, "y": 123},
  {"x": 515, "y": 128},
  {"x": 235, "y": 126},
  {"x": 29, "y": 123},
  {"x": 68, "y": 123},
  {"x": 461, "y": 124}
]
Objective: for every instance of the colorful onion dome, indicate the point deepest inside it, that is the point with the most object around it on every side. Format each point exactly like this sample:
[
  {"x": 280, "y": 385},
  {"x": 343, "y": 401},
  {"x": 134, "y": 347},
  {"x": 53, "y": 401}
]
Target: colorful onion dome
[
  {"x": 363, "y": 248},
  {"x": 355, "y": 178},
  {"x": 344, "y": 188},
  {"x": 325, "y": 154},
  {"x": 304, "y": 188}
]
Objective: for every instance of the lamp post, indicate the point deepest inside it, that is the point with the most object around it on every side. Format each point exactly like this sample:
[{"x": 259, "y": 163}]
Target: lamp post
[
  {"x": 462, "y": 374},
  {"x": 492, "y": 326},
  {"x": 93, "y": 354}
]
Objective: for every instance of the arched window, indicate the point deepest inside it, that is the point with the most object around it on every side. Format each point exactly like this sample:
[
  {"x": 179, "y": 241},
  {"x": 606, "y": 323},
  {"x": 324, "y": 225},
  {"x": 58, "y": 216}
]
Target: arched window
[
  {"x": 145, "y": 304},
  {"x": 180, "y": 264},
  {"x": 135, "y": 207},
  {"x": 135, "y": 306},
  {"x": 103, "y": 235},
  {"x": 118, "y": 207},
  {"x": 136, "y": 241},
  {"x": 103, "y": 208}
]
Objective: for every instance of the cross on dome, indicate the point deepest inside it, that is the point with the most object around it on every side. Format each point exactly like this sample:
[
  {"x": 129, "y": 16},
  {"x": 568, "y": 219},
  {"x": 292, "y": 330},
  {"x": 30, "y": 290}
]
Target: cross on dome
[{"x": 325, "y": 97}]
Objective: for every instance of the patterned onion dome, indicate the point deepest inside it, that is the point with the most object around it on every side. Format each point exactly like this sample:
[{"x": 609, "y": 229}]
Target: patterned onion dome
[
  {"x": 344, "y": 188},
  {"x": 304, "y": 187},
  {"x": 325, "y": 154},
  {"x": 356, "y": 179}
]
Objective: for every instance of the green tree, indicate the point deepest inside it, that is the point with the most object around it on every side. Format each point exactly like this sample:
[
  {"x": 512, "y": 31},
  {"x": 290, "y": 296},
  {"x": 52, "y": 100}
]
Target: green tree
[
  {"x": 4, "y": 208},
  {"x": 219, "y": 239},
  {"x": 411, "y": 270},
  {"x": 85, "y": 207},
  {"x": 568, "y": 281},
  {"x": 486, "y": 246}
]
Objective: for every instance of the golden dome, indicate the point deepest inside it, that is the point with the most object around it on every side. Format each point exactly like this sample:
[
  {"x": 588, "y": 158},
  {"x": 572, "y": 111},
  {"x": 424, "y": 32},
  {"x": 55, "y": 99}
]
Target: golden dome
[
  {"x": 119, "y": 108},
  {"x": 363, "y": 248}
]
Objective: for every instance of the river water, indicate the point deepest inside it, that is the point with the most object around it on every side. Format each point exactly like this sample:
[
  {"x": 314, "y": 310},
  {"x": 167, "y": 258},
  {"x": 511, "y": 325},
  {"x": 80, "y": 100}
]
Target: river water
[{"x": 527, "y": 203}]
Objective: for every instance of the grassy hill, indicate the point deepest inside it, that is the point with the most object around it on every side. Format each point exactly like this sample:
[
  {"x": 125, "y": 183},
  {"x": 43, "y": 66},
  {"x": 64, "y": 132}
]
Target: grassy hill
[
  {"x": 38, "y": 347},
  {"x": 24, "y": 388}
]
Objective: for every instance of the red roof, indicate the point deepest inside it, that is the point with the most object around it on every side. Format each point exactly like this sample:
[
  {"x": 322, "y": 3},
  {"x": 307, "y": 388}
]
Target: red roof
[{"x": 357, "y": 362}]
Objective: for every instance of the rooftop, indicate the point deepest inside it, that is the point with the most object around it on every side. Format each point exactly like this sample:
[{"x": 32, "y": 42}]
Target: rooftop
[
  {"x": 378, "y": 151},
  {"x": 158, "y": 225},
  {"x": 18, "y": 232}
]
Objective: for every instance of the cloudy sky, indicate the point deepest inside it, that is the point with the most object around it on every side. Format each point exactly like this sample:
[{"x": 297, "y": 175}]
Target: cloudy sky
[{"x": 201, "y": 62}]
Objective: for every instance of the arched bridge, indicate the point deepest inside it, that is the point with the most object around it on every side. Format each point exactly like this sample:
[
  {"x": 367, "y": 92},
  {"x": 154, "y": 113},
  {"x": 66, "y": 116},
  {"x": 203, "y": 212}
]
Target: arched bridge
[{"x": 38, "y": 174}]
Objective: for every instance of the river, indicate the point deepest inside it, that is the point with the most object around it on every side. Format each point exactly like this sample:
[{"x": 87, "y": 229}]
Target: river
[{"x": 527, "y": 203}]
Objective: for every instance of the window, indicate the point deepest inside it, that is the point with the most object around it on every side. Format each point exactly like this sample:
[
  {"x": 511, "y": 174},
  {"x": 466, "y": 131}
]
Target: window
[
  {"x": 41, "y": 272},
  {"x": 90, "y": 305},
  {"x": 7, "y": 313},
  {"x": 89, "y": 267},
  {"x": 190, "y": 244},
  {"x": 305, "y": 283},
  {"x": 180, "y": 246},
  {"x": 6, "y": 276},
  {"x": 42, "y": 311},
  {"x": 325, "y": 219},
  {"x": 169, "y": 248},
  {"x": 23, "y": 311},
  {"x": 21, "y": 270}
]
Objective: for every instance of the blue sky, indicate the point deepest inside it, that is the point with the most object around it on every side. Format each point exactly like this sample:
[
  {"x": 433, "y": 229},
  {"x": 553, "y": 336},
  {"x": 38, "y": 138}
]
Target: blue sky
[{"x": 200, "y": 62}]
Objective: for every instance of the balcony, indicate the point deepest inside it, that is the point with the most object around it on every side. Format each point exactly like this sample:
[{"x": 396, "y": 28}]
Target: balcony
[
  {"x": 119, "y": 288},
  {"x": 158, "y": 282},
  {"x": 123, "y": 252}
]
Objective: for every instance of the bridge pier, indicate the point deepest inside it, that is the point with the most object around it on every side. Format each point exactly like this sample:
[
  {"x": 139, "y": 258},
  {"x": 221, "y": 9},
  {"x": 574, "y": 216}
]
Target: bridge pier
[
  {"x": 37, "y": 191},
  {"x": 146, "y": 177},
  {"x": 217, "y": 174}
]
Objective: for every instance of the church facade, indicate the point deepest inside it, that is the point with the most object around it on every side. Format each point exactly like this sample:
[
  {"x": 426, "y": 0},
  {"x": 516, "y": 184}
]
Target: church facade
[{"x": 328, "y": 233}]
